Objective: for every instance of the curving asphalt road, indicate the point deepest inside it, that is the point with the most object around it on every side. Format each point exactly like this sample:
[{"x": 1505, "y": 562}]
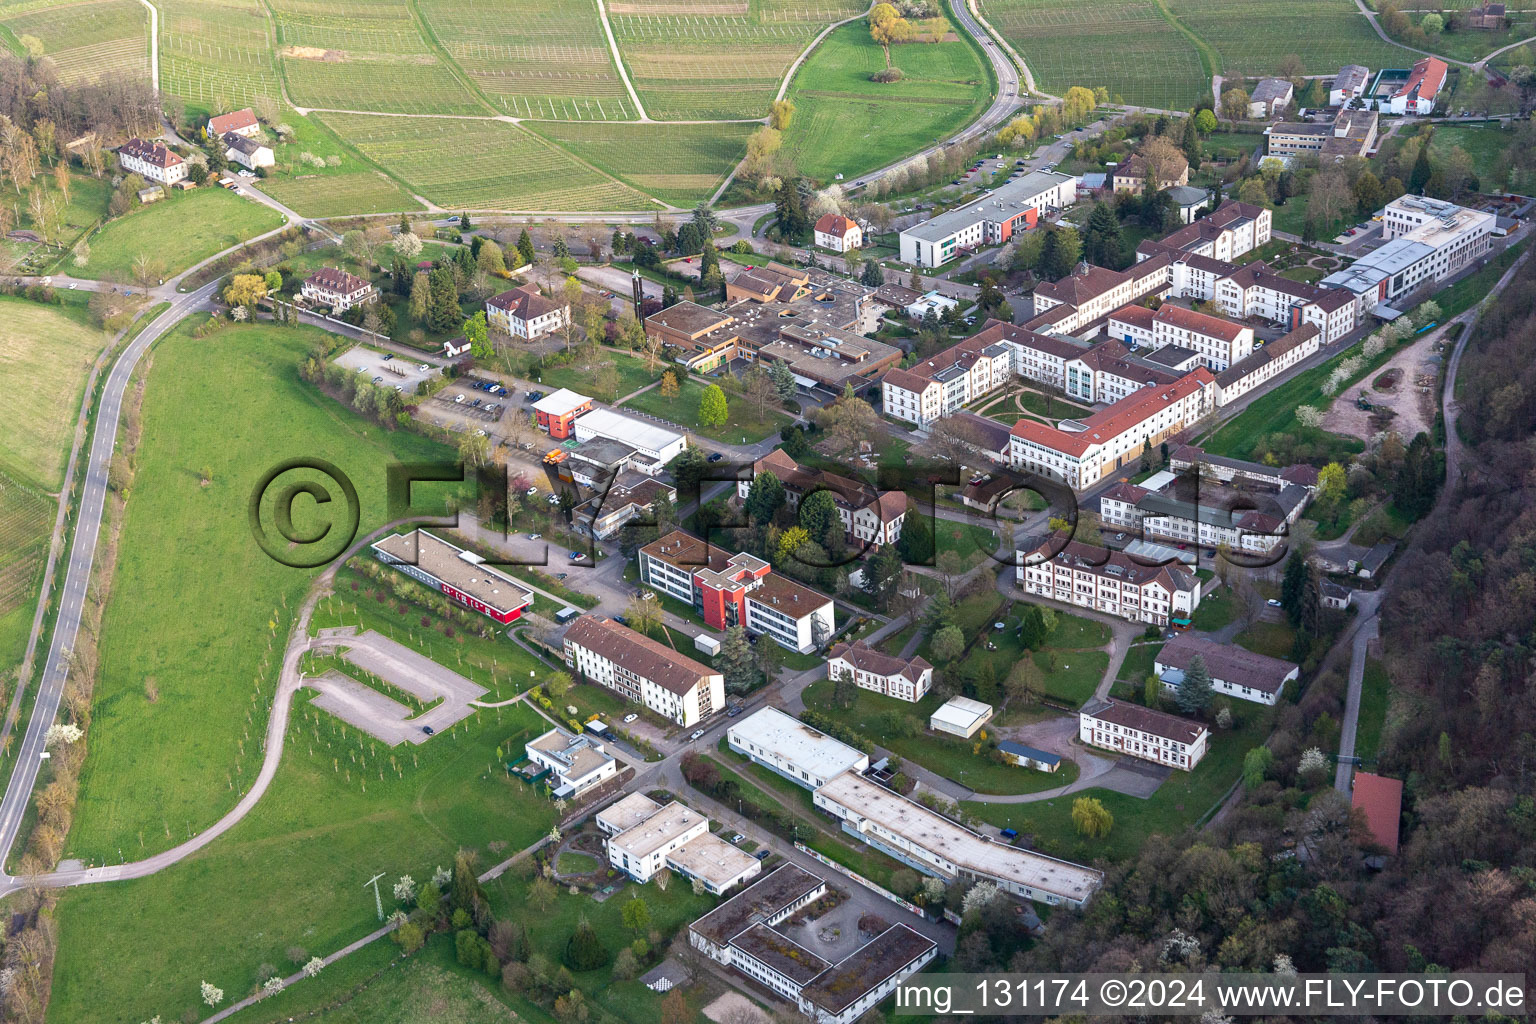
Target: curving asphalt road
[{"x": 77, "y": 576}]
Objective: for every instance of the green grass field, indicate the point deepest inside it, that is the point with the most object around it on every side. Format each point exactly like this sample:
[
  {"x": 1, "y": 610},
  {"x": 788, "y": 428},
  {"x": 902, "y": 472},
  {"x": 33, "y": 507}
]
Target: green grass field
[
  {"x": 1252, "y": 36},
  {"x": 742, "y": 423},
  {"x": 578, "y": 375},
  {"x": 178, "y": 232},
  {"x": 492, "y": 165},
  {"x": 194, "y": 595},
  {"x": 1375, "y": 694},
  {"x": 40, "y": 343},
  {"x": 699, "y": 59},
  {"x": 81, "y": 40},
  {"x": 26, "y": 516},
  {"x": 291, "y": 874},
  {"x": 338, "y": 195},
  {"x": 678, "y": 164},
  {"x": 846, "y": 124}
]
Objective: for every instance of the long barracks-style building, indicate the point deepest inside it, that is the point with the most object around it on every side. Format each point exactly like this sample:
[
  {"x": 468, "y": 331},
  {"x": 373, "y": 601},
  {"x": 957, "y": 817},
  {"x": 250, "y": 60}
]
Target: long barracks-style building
[{"x": 462, "y": 575}]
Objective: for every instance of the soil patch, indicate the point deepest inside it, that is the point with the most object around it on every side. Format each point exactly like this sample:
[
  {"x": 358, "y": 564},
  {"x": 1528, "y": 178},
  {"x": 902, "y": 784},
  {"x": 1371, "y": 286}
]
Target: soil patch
[{"x": 1404, "y": 389}]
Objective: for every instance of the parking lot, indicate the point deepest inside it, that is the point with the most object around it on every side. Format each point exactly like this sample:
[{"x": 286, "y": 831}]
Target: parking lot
[
  {"x": 398, "y": 370},
  {"x": 472, "y": 398}
]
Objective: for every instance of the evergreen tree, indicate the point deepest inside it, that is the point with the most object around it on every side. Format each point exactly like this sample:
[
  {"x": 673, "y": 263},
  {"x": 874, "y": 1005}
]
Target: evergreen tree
[
  {"x": 525, "y": 248},
  {"x": 764, "y": 498},
  {"x": 616, "y": 243},
  {"x": 1102, "y": 244},
  {"x": 1194, "y": 693},
  {"x": 736, "y": 661},
  {"x": 688, "y": 241},
  {"x": 783, "y": 380},
  {"x": 1063, "y": 248},
  {"x": 916, "y": 542},
  {"x": 818, "y": 514},
  {"x": 789, "y": 209},
  {"x": 585, "y": 951},
  {"x": 872, "y": 276},
  {"x": 443, "y": 313},
  {"x": 1191, "y": 144},
  {"x": 1419, "y": 177},
  {"x": 880, "y": 575},
  {"x": 1292, "y": 585}
]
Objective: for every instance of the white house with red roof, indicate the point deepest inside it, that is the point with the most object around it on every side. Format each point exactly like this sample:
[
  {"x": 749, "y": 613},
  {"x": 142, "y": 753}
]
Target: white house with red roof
[
  {"x": 152, "y": 161},
  {"x": 1108, "y": 581},
  {"x": 940, "y": 386},
  {"x": 907, "y": 679},
  {"x": 241, "y": 122},
  {"x": 1418, "y": 94},
  {"x": 838, "y": 233},
  {"x": 1219, "y": 342},
  {"x": 869, "y": 517},
  {"x": 523, "y": 313}
]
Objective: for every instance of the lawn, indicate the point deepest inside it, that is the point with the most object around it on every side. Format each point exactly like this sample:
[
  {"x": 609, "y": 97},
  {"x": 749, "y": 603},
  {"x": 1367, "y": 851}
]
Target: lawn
[
  {"x": 1179, "y": 802},
  {"x": 178, "y": 232},
  {"x": 1272, "y": 638},
  {"x": 494, "y": 166},
  {"x": 197, "y": 609},
  {"x": 846, "y": 124},
  {"x": 1139, "y": 662},
  {"x": 973, "y": 543},
  {"x": 56, "y": 344},
  {"x": 742, "y": 425},
  {"x": 579, "y": 375},
  {"x": 680, "y": 164},
  {"x": 337, "y": 195},
  {"x": 88, "y": 198},
  {"x": 1375, "y": 695},
  {"x": 328, "y": 824},
  {"x": 573, "y": 863},
  {"x": 1217, "y": 609}
]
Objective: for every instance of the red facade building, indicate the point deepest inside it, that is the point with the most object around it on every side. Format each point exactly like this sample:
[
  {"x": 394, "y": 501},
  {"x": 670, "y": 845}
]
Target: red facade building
[{"x": 462, "y": 575}]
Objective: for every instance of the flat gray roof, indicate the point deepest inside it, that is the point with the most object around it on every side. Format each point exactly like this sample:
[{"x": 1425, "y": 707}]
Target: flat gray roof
[
  {"x": 463, "y": 570},
  {"x": 1011, "y": 197},
  {"x": 809, "y": 749}
]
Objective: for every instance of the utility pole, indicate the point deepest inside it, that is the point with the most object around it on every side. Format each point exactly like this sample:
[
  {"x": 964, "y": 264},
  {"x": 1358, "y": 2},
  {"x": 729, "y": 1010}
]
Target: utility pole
[{"x": 378, "y": 901}]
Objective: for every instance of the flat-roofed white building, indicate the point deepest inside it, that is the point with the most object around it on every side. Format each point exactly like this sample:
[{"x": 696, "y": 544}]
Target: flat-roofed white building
[
  {"x": 577, "y": 762},
  {"x": 1428, "y": 240},
  {"x": 960, "y": 716},
  {"x": 935, "y": 845},
  {"x": 625, "y": 813},
  {"x": 648, "y": 438},
  {"x": 676, "y": 837},
  {"x": 1143, "y": 733},
  {"x": 805, "y": 756},
  {"x": 990, "y": 220}
]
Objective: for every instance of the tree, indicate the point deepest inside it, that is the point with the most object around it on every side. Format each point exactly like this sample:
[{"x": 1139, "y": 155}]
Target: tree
[
  {"x": 636, "y": 915},
  {"x": 948, "y": 644},
  {"x": 915, "y": 545},
  {"x": 765, "y": 497},
  {"x": 1205, "y": 121},
  {"x": 1297, "y": 578},
  {"x": 474, "y": 450},
  {"x": 1369, "y": 195},
  {"x": 1194, "y": 691},
  {"x": 1059, "y": 256},
  {"x": 887, "y": 27},
  {"x": 669, "y": 388},
  {"x": 713, "y": 409},
  {"x": 1091, "y": 817},
  {"x": 525, "y": 250},
  {"x": 1189, "y": 143},
  {"x": 758, "y": 385},
  {"x": 421, "y": 297},
  {"x": 1234, "y": 104},
  {"x": 1422, "y": 170},
  {"x": 1256, "y": 765},
  {"x": 542, "y": 893},
  {"x": 784, "y": 384},
  {"x": 1101, "y": 240},
  {"x": 1432, "y": 24},
  {"x": 558, "y": 684},
  {"x": 674, "y": 1008},
  {"x": 818, "y": 515},
  {"x": 584, "y": 951},
  {"x": 736, "y": 662},
  {"x": 1025, "y": 684},
  {"x": 245, "y": 290},
  {"x": 443, "y": 312},
  {"x": 490, "y": 259}
]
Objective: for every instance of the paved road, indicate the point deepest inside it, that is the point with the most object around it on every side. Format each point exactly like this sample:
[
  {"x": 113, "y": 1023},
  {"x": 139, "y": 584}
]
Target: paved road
[
  {"x": 78, "y": 572},
  {"x": 1365, "y": 631}
]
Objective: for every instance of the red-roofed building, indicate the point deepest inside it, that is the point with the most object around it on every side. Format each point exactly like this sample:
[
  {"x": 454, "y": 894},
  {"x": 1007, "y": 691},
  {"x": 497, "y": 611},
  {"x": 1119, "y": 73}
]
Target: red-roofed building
[
  {"x": 1112, "y": 438},
  {"x": 869, "y": 517},
  {"x": 336, "y": 289},
  {"x": 1220, "y": 343},
  {"x": 1111, "y": 582},
  {"x": 1418, "y": 94},
  {"x": 523, "y": 313},
  {"x": 151, "y": 161},
  {"x": 838, "y": 233},
  {"x": 242, "y": 122},
  {"x": 940, "y": 386},
  {"x": 1381, "y": 799}
]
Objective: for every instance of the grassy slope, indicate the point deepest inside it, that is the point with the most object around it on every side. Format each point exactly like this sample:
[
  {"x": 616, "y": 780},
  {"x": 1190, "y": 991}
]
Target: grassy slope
[
  {"x": 844, "y": 123},
  {"x": 38, "y": 343},
  {"x": 678, "y": 164},
  {"x": 181, "y": 230},
  {"x": 291, "y": 873},
  {"x": 194, "y": 595}
]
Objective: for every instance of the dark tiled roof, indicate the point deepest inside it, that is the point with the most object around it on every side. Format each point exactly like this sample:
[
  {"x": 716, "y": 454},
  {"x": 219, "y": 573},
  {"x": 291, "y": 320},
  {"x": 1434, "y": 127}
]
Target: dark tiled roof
[
  {"x": 150, "y": 152},
  {"x": 1155, "y": 723},
  {"x": 333, "y": 280},
  {"x": 640, "y": 654},
  {"x": 1228, "y": 662},
  {"x": 866, "y": 659}
]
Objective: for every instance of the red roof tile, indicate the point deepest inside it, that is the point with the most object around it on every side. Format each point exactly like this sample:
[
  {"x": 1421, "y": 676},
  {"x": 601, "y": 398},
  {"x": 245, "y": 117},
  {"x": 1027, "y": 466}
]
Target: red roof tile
[{"x": 1381, "y": 799}]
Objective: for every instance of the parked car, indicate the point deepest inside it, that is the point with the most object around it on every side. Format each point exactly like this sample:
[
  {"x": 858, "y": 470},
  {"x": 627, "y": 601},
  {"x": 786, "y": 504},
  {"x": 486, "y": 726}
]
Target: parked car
[
  {"x": 561, "y": 575},
  {"x": 630, "y": 717},
  {"x": 423, "y": 367},
  {"x": 621, "y": 620},
  {"x": 534, "y": 536},
  {"x": 530, "y": 492},
  {"x": 388, "y": 356},
  {"x": 1273, "y": 603},
  {"x": 1009, "y": 834},
  {"x": 761, "y": 854},
  {"x": 696, "y": 734},
  {"x": 427, "y": 729},
  {"x": 738, "y": 837},
  {"x": 458, "y": 399},
  {"x": 714, "y": 457}
]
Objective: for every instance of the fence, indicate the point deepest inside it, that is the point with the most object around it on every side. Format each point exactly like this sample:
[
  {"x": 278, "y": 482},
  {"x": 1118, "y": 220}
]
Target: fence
[{"x": 880, "y": 889}]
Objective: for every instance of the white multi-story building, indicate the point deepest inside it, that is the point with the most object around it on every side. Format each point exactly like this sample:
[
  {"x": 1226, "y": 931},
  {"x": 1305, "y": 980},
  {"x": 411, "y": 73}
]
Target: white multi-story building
[
  {"x": 742, "y": 933},
  {"x": 577, "y": 762},
  {"x": 1418, "y": 94},
  {"x": 1089, "y": 294},
  {"x": 676, "y": 837},
  {"x": 1110, "y": 582},
  {"x": 807, "y": 757},
  {"x": 838, "y": 233},
  {"x": 1250, "y": 523},
  {"x": 671, "y": 684},
  {"x": 242, "y": 122},
  {"x": 1265, "y": 363},
  {"x": 1142, "y": 733},
  {"x": 1349, "y": 85},
  {"x": 1255, "y": 290},
  {"x": 1114, "y": 437},
  {"x": 906, "y": 679},
  {"x": 942, "y": 385},
  {"x": 335, "y": 288},
  {"x": 1231, "y": 230},
  {"x": 933, "y": 844},
  {"x": 1219, "y": 343},
  {"x": 1234, "y": 671},
  {"x": 151, "y": 161},
  {"x": 990, "y": 220},
  {"x": 523, "y": 313},
  {"x": 1428, "y": 240}
]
